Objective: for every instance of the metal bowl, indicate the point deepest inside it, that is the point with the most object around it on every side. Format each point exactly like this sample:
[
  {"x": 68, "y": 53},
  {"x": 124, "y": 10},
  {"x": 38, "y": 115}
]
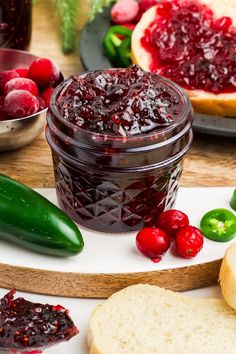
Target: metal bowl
[{"x": 16, "y": 133}]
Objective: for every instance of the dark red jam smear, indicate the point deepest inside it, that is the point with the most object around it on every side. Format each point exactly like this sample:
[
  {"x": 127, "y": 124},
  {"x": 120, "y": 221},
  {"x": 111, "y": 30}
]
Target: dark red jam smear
[
  {"x": 119, "y": 102},
  {"x": 191, "y": 47},
  {"x": 25, "y": 325}
]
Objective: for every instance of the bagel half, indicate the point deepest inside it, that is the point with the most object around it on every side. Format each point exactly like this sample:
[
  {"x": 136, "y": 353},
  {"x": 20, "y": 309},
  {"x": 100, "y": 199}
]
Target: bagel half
[
  {"x": 223, "y": 104},
  {"x": 145, "y": 319},
  {"x": 227, "y": 276}
]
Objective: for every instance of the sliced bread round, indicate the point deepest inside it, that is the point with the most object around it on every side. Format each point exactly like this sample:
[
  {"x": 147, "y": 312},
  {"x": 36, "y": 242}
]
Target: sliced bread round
[
  {"x": 145, "y": 319},
  {"x": 202, "y": 101},
  {"x": 227, "y": 276}
]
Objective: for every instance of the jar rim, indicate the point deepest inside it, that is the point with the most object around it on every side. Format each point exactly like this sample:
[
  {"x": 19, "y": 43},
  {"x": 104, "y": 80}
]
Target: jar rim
[{"x": 187, "y": 109}]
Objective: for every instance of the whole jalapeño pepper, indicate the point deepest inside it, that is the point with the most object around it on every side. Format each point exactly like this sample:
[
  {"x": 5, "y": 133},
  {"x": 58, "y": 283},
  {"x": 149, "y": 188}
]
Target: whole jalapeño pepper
[{"x": 31, "y": 221}]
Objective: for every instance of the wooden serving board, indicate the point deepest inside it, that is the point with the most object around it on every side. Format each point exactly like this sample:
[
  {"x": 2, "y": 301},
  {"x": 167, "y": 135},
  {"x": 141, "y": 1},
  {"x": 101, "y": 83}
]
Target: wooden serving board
[{"x": 111, "y": 262}]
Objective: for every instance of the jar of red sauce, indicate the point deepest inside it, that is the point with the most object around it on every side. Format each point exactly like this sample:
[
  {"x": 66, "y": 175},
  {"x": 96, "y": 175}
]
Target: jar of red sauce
[
  {"x": 15, "y": 23},
  {"x": 110, "y": 182}
]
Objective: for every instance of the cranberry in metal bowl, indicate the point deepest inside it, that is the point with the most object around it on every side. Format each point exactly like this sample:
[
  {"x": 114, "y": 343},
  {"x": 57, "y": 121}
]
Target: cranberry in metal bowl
[{"x": 118, "y": 138}]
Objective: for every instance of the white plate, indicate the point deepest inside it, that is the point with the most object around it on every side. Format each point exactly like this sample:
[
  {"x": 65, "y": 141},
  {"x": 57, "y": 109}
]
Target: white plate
[
  {"x": 104, "y": 253},
  {"x": 80, "y": 310},
  {"x": 214, "y": 125}
]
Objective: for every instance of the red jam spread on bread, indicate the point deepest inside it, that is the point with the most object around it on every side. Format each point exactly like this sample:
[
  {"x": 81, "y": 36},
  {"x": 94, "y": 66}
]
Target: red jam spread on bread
[
  {"x": 119, "y": 102},
  {"x": 26, "y": 326},
  {"x": 190, "y": 46}
]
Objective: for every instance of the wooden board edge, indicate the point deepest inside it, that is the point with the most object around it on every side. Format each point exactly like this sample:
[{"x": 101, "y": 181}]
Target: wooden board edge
[{"x": 86, "y": 285}]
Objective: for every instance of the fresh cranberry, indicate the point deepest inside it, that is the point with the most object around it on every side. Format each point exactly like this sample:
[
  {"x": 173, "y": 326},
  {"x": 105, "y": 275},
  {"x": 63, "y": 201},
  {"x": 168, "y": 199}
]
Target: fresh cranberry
[
  {"x": 121, "y": 102},
  {"x": 2, "y": 112},
  {"x": 46, "y": 95},
  {"x": 188, "y": 45},
  {"x": 3, "y": 115},
  {"x": 144, "y": 5},
  {"x": 44, "y": 72},
  {"x": 124, "y": 11},
  {"x": 130, "y": 26},
  {"x": 26, "y": 326},
  {"x": 171, "y": 221},
  {"x": 20, "y": 103},
  {"x": 152, "y": 242},
  {"x": 5, "y": 76},
  {"x": 188, "y": 241},
  {"x": 42, "y": 104},
  {"x": 20, "y": 83},
  {"x": 23, "y": 72}
]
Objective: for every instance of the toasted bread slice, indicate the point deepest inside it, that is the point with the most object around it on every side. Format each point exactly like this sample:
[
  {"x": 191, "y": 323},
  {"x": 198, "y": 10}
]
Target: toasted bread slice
[
  {"x": 202, "y": 101},
  {"x": 145, "y": 319}
]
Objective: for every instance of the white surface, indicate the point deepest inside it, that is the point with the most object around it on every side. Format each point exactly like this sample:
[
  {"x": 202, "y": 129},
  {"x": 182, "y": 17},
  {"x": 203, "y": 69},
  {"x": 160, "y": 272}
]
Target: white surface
[
  {"x": 104, "y": 253},
  {"x": 80, "y": 310},
  {"x": 117, "y": 254}
]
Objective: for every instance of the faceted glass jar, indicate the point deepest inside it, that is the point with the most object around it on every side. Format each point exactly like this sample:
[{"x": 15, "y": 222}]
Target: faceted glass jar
[
  {"x": 117, "y": 184},
  {"x": 15, "y": 23}
]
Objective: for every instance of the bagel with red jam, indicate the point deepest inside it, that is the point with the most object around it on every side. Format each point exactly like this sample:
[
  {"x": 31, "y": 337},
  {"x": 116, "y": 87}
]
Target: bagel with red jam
[{"x": 193, "y": 43}]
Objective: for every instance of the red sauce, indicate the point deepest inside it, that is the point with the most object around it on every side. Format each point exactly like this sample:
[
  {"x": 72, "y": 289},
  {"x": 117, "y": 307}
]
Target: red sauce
[
  {"x": 191, "y": 47},
  {"x": 25, "y": 325},
  {"x": 119, "y": 102}
]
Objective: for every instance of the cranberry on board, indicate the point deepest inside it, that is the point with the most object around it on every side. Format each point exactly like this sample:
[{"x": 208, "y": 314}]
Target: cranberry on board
[
  {"x": 188, "y": 241},
  {"x": 171, "y": 221},
  {"x": 44, "y": 72},
  {"x": 152, "y": 243},
  {"x": 20, "y": 103},
  {"x": 5, "y": 76},
  {"x": 20, "y": 83},
  {"x": 27, "y": 326}
]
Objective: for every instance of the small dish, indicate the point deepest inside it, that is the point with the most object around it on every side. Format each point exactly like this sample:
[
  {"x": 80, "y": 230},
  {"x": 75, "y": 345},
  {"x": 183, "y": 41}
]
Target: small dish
[{"x": 18, "y": 132}]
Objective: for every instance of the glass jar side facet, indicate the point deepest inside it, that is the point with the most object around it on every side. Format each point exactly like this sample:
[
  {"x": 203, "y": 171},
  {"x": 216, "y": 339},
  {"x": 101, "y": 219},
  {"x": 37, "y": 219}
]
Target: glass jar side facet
[{"x": 115, "y": 202}]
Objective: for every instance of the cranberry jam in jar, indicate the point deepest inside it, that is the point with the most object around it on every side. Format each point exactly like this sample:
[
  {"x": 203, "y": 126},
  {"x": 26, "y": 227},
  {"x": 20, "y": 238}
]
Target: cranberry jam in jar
[
  {"x": 15, "y": 23},
  {"x": 118, "y": 138}
]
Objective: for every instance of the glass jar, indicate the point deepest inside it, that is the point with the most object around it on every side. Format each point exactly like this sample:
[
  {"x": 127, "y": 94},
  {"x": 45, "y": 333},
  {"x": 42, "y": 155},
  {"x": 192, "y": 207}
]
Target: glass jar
[
  {"x": 112, "y": 183},
  {"x": 15, "y": 23}
]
